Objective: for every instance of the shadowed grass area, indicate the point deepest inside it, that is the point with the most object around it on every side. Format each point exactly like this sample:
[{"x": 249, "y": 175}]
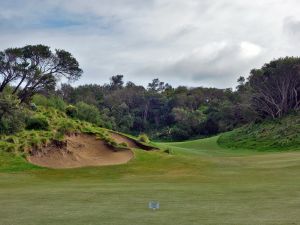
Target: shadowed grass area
[{"x": 197, "y": 182}]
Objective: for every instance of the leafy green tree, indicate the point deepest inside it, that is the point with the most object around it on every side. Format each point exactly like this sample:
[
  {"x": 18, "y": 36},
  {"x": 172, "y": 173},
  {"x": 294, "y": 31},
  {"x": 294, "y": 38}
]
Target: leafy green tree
[
  {"x": 34, "y": 68},
  {"x": 158, "y": 86},
  {"x": 116, "y": 82}
]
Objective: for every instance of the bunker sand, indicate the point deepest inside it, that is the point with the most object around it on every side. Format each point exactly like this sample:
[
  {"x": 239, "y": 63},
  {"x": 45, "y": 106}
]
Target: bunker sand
[{"x": 79, "y": 151}]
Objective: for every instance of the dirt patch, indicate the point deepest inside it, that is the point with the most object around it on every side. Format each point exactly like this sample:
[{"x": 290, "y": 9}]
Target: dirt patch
[{"x": 79, "y": 151}]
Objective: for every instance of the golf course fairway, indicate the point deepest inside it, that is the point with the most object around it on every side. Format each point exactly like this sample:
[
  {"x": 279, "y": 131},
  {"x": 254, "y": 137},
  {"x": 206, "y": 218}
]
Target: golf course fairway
[{"x": 196, "y": 182}]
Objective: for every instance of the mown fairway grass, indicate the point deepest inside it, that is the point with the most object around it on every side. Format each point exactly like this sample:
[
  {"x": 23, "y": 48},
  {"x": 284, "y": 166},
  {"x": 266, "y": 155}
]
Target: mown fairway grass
[{"x": 198, "y": 183}]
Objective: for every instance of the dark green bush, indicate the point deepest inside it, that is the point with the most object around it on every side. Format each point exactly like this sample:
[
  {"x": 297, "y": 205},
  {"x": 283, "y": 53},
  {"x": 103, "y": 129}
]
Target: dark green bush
[
  {"x": 71, "y": 111},
  {"x": 12, "y": 124},
  {"x": 33, "y": 106},
  {"x": 12, "y": 116},
  {"x": 179, "y": 134},
  {"x": 37, "y": 123}
]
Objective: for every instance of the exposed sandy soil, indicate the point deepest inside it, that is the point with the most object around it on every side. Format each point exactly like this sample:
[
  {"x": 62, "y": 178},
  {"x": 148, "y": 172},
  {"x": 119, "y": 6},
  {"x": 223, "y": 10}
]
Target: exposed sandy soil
[{"x": 79, "y": 151}]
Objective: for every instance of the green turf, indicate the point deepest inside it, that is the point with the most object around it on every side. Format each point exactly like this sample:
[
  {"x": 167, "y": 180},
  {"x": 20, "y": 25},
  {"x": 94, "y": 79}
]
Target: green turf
[
  {"x": 198, "y": 183},
  {"x": 270, "y": 135}
]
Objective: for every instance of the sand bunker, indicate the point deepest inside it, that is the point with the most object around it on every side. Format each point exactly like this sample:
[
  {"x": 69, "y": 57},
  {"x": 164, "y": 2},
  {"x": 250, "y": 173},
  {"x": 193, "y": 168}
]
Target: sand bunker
[{"x": 80, "y": 151}]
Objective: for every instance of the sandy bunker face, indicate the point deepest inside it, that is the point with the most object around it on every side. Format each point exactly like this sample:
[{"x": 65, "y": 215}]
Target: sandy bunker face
[{"x": 80, "y": 151}]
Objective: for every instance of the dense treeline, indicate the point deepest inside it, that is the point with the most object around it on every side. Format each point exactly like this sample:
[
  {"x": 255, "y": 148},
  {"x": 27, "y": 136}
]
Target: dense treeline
[
  {"x": 30, "y": 74},
  {"x": 160, "y": 110}
]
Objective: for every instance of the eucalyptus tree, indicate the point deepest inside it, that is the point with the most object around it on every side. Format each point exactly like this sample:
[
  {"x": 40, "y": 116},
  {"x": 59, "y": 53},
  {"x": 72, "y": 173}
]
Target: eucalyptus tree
[{"x": 276, "y": 87}]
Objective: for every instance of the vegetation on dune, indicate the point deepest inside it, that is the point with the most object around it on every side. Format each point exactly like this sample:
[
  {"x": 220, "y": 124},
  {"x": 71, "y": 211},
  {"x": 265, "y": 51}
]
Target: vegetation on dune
[
  {"x": 12, "y": 115},
  {"x": 37, "y": 123},
  {"x": 49, "y": 124},
  {"x": 143, "y": 138},
  {"x": 50, "y": 102},
  {"x": 274, "y": 134},
  {"x": 38, "y": 130}
]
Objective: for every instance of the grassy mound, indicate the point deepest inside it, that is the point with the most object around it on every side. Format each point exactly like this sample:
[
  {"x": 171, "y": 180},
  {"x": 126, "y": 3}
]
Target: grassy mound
[
  {"x": 48, "y": 124},
  {"x": 272, "y": 135}
]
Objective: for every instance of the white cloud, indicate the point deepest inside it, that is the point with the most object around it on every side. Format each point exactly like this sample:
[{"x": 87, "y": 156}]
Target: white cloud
[{"x": 249, "y": 50}]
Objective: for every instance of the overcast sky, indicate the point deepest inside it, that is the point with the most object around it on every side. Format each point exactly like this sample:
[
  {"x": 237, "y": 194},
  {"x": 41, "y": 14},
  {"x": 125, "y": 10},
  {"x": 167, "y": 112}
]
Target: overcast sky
[{"x": 182, "y": 42}]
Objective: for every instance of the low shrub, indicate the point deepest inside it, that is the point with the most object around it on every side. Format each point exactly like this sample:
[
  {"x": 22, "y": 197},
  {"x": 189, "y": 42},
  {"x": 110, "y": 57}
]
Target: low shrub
[
  {"x": 143, "y": 138},
  {"x": 123, "y": 144},
  {"x": 52, "y": 101},
  {"x": 111, "y": 143},
  {"x": 66, "y": 127},
  {"x": 71, "y": 111},
  {"x": 12, "y": 115},
  {"x": 33, "y": 106},
  {"x": 179, "y": 134},
  {"x": 168, "y": 151},
  {"x": 37, "y": 123}
]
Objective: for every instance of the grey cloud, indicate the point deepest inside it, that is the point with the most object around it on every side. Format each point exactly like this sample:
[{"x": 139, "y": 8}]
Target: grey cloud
[
  {"x": 217, "y": 64},
  {"x": 292, "y": 26},
  {"x": 192, "y": 42}
]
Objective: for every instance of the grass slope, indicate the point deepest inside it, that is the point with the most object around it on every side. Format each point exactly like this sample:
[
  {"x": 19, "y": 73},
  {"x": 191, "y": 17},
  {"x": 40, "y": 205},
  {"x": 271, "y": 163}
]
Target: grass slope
[
  {"x": 59, "y": 125},
  {"x": 273, "y": 135},
  {"x": 198, "y": 183}
]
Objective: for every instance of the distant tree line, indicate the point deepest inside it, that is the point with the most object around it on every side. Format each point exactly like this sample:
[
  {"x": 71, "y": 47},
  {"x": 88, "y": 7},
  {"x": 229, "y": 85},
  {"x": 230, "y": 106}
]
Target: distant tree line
[{"x": 160, "y": 110}]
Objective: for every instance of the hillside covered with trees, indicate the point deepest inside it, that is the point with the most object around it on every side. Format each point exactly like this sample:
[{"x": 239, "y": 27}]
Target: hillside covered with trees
[{"x": 31, "y": 76}]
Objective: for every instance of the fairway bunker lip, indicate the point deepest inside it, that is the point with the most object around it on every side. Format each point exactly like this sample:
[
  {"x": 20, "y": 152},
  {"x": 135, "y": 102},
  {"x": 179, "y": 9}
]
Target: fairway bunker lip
[
  {"x": 131, "y": 142},
  {"x": 78, "y": 150}
]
